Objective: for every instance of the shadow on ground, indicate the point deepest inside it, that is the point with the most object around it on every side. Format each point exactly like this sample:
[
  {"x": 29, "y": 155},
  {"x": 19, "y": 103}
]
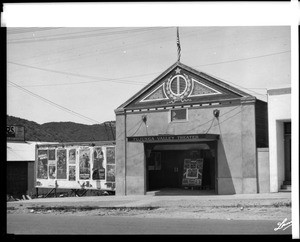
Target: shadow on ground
[{"x": 181, "y": 192}]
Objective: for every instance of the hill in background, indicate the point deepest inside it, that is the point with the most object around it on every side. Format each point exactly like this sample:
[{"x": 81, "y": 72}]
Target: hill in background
[{"x": 64, "y": 131}]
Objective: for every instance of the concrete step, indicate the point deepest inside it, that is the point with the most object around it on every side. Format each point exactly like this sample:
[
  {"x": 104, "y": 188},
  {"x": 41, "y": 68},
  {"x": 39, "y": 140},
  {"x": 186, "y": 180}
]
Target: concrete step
[
  {"x": 285, "y": 188},
  {"x": 286, "y": 182}
]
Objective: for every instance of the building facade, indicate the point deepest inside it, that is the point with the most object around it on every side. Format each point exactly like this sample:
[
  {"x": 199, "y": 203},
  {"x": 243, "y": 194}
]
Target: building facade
[
  {"x": 20, "y": 168},
  {"x": 279, "y": 109},
  {"x": 187, "y": 129}
]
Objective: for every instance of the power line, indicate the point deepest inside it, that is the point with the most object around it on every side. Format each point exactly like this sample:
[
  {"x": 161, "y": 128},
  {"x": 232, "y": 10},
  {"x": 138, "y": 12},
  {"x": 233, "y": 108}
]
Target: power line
[
  {"x": 117, "y": 80},
  {"x": 78, "y": 36},
  {"x": 24, "y": 30},
  {"x": 115, "y": 49},
  {"x": 134, "y": 83},
  {"x": 53, "y": 103},
  {"x": 73, "y": 74},
  {"x": 242, "y": 59},
  {"x": 86, "y": 54},
  {"x": 63, "y": 50},
  {"x": 64, "y": 34},
  {"x": 200, "y": 125},
  {"x": 235, "y": 84}
]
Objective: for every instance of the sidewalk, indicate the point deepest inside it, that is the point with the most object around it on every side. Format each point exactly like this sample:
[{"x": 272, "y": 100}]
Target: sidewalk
[
  {"x": 270, "y": 206},
  {"x": 160, "y": 201}
]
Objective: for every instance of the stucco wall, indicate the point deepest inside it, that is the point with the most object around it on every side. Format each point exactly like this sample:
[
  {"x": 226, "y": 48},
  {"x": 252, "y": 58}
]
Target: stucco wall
[
  {"x": 263, "y": 170},
  {"x": 236, "y": 148},
  {"x": 31, "y": 186},
  {"x": 279, "y": 111},
  {"x": 120, "y": 155}
]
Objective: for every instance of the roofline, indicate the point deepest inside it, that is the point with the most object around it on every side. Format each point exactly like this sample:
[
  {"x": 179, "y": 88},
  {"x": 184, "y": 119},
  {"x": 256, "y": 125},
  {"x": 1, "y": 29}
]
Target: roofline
[
  {"x": 147, "y": 86},
  {"x": 279, "y": 91},
  {"x": 202, "y": 74},
  {"x": 216, "y": 81},
  {"x": 84, "y": 143}
]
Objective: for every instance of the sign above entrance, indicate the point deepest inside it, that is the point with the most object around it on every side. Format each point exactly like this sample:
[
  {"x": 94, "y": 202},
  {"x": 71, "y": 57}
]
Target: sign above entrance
[{"x": 176, "y": 138}]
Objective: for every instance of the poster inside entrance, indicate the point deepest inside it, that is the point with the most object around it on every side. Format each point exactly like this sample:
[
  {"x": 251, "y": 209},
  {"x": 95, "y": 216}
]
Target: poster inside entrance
[{"x": 192, "y": 172}]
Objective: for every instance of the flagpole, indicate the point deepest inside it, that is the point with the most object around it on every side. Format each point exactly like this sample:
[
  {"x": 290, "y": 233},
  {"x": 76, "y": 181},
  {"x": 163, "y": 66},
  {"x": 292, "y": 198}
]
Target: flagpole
[{"x": 178, "y": 46}]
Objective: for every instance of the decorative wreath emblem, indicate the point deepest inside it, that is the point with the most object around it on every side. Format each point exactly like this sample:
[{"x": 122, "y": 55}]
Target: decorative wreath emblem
[{"x": 178, "y": 87}]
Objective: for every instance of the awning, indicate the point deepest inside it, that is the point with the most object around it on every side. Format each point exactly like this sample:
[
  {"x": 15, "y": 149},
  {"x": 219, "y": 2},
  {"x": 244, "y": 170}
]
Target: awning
[{"x": 173, "y": 138}]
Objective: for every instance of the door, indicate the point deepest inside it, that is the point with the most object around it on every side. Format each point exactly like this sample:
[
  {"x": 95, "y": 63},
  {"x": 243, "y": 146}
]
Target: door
[
  {"x": 17, "y": 178},
  {"x": 287, "y": 157},
  {"x": 287, "y": 151},
  {"x": 170, "y": 165}
]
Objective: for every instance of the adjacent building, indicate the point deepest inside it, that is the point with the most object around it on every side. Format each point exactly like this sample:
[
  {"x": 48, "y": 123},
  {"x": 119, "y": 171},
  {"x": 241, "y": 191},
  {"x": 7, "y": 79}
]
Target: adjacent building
[
  {"x": 280, "y": 138},
  {"x": 20, "y": 168}
]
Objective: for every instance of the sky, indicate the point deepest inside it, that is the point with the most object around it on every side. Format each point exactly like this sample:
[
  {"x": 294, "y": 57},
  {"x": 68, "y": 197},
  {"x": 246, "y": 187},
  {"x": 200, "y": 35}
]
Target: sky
[{"x": 69, "y": 72}]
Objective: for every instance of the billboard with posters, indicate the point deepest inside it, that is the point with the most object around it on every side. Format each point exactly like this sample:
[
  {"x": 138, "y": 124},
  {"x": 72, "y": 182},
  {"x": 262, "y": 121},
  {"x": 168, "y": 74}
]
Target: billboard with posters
[{"x": 76, "y": 166}]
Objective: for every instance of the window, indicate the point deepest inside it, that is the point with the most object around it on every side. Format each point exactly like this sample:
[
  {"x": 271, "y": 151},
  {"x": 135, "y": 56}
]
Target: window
[
  {"x": 178, "y": 115},
  {"x": 178, "y": 85}
]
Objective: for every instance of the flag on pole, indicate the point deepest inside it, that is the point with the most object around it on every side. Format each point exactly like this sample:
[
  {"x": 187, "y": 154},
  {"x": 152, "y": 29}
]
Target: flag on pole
[{"x": 178, "y": 46}]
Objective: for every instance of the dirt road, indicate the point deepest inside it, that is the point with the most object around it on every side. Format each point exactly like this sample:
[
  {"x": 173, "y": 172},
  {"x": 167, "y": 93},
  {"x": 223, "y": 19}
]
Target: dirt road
[{"x": 230, "y": 207}]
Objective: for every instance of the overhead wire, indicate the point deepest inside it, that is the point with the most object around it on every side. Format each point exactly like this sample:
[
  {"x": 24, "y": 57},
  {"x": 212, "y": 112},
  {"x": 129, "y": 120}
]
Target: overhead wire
[
  {"x": 226, "y": 81},
  {"x": 54, "y": 104},
  {"x": 210, "y": 120},
  {"x": 142, "y": 84},
  {"x": 138, "y": 128},
  {"x": 111, "y": 50},
  {"x": 22, "y": 30},
  {"x": 242, "y": 59},
  {"x": 35, "y": 40},
  {"x": 76, "y": 75},
  {"x": 213, "y": 120},
  {"x": 86, "y": 53},
  {"x": 63, "y": 34}
]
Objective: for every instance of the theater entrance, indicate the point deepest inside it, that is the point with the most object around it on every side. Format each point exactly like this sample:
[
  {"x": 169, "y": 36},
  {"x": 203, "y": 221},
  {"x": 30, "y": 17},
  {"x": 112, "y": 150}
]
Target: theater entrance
[{"x": 181, "y": 165}]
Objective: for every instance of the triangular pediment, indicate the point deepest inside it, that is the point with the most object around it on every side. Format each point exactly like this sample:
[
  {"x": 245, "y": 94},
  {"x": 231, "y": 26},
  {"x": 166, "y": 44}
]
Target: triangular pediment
[{"x": 181, "y": 84}]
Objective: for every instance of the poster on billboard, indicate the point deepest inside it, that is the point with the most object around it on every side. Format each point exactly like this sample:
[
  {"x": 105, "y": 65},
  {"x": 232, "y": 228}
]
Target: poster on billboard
[
  {"x": 42, "y": 166},
  {"x": 110, "y": 155},
  {"x": 61, "y": 164},
  {"x": 98, "y": 166},
  {"x": 84, "y": 164},
  {"x": 51, "y": 155},
  {"x": 52, "y": 171},
  {"x": 72, "y": 156},
  {"x": 72, "y": 173},
  {"x": 110, "y": 177},
  {"x": 192, "y": 172}
]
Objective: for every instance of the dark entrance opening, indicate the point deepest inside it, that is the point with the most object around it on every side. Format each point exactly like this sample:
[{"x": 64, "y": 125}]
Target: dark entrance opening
[
  {"x": 17, "y": 178},
  {"x": 166, "y": 165},
  {"x": 287, "y": 153}
]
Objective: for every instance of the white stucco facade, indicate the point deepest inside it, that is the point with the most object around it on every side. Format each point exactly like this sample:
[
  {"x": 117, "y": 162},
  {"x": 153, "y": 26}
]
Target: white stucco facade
[{"x": 279, "y": 112}]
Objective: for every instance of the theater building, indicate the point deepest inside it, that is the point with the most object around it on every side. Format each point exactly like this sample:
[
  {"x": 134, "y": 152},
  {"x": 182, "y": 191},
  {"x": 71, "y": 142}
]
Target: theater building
[{"x": 188, "y": 130}]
